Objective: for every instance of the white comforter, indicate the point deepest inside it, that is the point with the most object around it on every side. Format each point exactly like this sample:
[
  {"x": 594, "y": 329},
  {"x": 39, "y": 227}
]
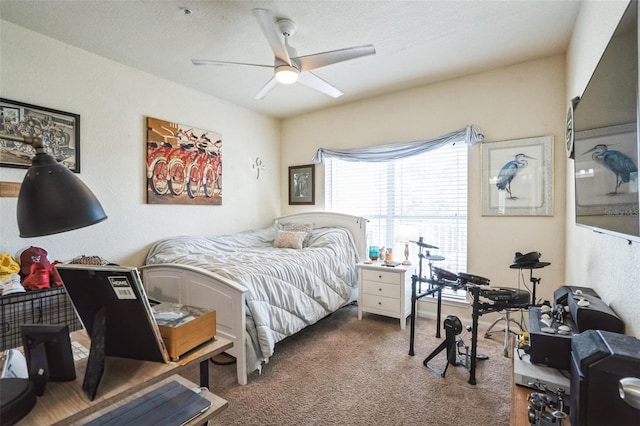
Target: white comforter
[{"x": 289, "y": 289}]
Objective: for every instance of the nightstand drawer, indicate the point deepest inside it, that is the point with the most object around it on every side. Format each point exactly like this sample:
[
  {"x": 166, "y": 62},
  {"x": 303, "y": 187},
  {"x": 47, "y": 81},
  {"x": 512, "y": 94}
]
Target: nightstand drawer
[
  {"x": 371, "y": 301},
  {"x": 381, "y": 276},
  {"x": 381, "y": 289}
]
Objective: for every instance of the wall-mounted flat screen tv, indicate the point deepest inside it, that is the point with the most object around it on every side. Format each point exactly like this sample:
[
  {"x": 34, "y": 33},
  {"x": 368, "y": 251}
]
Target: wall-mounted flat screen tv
[{"x": 606, "y": 138}]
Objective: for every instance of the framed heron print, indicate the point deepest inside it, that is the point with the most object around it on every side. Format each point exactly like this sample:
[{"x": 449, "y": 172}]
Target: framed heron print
[{"x": 517, "y": 177}]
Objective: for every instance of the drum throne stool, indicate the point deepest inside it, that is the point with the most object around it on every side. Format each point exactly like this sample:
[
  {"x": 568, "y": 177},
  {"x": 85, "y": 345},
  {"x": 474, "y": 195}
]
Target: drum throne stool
[{"x": 515, "y": 299}]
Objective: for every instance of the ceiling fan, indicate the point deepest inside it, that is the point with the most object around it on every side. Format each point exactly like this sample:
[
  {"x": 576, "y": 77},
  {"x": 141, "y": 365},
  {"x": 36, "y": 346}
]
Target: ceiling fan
[{"x": 288, "y": 67}]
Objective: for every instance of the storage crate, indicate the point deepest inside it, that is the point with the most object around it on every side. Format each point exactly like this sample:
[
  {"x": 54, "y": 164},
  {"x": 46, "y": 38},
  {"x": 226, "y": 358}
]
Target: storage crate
[{"x": 47, "y": 306}]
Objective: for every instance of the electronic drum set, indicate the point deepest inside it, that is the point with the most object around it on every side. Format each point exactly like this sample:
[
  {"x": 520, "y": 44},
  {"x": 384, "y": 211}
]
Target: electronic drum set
[{"x": 485, "y": 299}]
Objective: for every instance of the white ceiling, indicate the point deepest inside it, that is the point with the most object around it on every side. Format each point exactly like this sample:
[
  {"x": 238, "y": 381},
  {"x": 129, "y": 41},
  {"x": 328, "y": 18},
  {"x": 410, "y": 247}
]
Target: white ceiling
[{"x": 417, "y": 42}]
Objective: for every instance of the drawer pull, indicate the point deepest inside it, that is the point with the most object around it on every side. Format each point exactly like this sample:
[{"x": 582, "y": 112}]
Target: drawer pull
[
  {"x": 379, "y": 289},
  {"x": 380, "y": 303},
  {"x": 380, "y": 276}
]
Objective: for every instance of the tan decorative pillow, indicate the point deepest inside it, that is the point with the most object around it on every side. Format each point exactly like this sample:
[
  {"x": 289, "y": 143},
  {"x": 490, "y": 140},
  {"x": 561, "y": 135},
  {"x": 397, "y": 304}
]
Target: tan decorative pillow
[
  {"x": 289, "y": 239},
  {"x": 301, "y": 227}
]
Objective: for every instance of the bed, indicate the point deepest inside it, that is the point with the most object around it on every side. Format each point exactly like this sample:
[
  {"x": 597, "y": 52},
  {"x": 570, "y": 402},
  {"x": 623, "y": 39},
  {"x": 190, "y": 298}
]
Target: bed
[{"x": 261, "y": 293}]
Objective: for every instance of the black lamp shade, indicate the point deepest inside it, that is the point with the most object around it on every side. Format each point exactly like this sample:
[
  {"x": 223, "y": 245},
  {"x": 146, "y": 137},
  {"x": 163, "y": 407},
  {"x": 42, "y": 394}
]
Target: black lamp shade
[{"x": 52, "y": 199}]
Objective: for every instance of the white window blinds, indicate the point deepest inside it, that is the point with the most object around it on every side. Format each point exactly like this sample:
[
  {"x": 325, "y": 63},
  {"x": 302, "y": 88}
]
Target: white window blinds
[{"x": 424, "y": 195}]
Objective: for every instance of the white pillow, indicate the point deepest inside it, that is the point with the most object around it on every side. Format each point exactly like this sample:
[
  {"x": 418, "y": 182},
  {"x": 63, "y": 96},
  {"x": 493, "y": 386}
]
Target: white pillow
[{"x": 289, "y": 239}]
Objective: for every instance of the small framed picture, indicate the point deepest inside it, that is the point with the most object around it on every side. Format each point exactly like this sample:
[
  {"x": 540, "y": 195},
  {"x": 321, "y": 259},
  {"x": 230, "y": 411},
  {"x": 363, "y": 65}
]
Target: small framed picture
[
  {"x": 517, "y": 177},
  {"x": 59, "y": 130},
  {"x": 302, "y": 185}
]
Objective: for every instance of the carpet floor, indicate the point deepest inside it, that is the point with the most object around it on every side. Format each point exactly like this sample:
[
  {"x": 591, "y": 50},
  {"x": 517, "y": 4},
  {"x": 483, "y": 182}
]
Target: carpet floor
[{"x": 342, "y": 371}]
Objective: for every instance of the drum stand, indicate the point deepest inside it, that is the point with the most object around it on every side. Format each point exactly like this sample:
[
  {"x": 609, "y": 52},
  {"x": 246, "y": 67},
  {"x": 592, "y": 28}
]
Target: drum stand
[
  {"x": 417, "y": 293},
  {"x": 507, "y": 330}
]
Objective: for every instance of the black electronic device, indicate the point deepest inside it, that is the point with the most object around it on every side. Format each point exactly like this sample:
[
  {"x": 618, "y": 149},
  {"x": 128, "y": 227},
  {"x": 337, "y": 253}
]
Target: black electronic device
[
  {"x": 531, "y": 257},
  {"x": 17, "y": 399},
  {"x": 473, "y": 279},
  {"x": 444, "y": 276},
  {"x": 517, "y": 298},
  {"x": 599, "y": 360},
  {"x": 549, "y": 344},
  {"x": 577, "y": 309},
  {"x": 605, "y": 124},
  {"x": 47, "y": 349},
  {"x": 561, "y": 294},
  {"x": 592, "y": 313}
]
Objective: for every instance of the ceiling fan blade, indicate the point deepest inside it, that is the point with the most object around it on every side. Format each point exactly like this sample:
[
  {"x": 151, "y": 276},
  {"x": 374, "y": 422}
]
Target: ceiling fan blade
[
  {"x": 223, "y": 63},
  {"x": 266, "y": 89},
  {"x": 318, "y": 60},
  {"x": 274, "y": 37},
  {"x": 311, "y": 80}
]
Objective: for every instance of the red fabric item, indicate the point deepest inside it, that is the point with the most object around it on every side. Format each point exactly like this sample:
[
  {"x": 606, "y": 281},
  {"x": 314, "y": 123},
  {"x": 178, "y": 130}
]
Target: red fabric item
[
  {"x": 54, "y": 277},
  {"x": 38, "y": 277},
  {"x": 31, "y": 256}
]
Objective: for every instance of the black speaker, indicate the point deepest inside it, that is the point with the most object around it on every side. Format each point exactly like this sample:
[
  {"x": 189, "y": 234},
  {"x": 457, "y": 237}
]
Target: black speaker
[{"x": 599, "y": 359}]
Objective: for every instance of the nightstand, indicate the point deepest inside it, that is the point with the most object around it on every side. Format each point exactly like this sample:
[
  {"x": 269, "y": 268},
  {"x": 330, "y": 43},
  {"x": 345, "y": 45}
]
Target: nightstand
[{"x": 385, "y": 290}]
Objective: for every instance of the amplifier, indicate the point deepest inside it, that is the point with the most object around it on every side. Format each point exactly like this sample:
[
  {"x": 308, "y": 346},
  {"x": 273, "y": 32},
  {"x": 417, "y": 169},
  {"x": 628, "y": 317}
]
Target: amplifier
[
  {"x": 548, "y": 345},
  {"x": 581, "y": 310}
]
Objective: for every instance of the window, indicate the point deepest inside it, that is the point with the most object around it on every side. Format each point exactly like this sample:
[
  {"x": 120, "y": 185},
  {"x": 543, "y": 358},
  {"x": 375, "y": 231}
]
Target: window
[{"x": 420, "y": 196}]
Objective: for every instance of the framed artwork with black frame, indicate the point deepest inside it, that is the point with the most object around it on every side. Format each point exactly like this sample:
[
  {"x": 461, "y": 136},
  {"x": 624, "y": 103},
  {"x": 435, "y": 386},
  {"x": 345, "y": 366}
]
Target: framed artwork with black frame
[
  {"x": 302, "y": 185},
  {"x": 59, "y": 130}
]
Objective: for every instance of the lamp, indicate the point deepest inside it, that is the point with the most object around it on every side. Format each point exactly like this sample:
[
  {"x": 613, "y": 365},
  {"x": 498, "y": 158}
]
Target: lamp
[
  {"x": 286, "y": 74},
  {"x": 404, "y": 234},
  {"x": 52, "y": 199}
]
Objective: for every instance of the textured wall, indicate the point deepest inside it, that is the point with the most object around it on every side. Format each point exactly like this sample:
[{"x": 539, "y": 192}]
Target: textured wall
[
  {"x": 520, "y": 101},
  {"x": 113, "y": 101}
]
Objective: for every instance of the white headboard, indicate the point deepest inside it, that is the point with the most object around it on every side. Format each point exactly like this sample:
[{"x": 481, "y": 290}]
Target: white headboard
[{"x": 355, "y": 224}]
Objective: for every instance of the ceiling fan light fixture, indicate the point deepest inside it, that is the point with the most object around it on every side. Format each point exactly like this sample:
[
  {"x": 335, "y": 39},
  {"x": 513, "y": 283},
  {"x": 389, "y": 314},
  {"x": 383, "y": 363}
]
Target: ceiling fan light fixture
[{"x": 286, "y": 74}]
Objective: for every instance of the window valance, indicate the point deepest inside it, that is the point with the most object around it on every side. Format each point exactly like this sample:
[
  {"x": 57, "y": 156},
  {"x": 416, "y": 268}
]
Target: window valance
[{"x": 469, "y": 135}]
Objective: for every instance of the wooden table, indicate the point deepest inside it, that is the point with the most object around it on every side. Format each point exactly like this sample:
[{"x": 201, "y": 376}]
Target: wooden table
[
  {"x": 66, "y": 402},
  {"x": 520, "y": 405}
]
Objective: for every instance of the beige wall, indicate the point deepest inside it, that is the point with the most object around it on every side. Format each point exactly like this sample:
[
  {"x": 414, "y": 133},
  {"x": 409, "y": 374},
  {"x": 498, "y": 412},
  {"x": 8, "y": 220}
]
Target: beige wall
[
  {"x": 520, "y": 101},
  {"x": 113, "y": 101},
  {"x": 608, "y": 264}
]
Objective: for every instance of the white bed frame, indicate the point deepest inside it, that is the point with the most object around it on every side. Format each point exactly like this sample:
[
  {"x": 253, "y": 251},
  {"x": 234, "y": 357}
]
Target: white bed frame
[{"x": 197, "y": 287}]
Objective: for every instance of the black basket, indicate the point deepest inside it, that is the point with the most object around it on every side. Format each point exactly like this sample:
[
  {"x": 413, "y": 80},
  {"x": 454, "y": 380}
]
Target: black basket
[{"x": 48, "y": 306}]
